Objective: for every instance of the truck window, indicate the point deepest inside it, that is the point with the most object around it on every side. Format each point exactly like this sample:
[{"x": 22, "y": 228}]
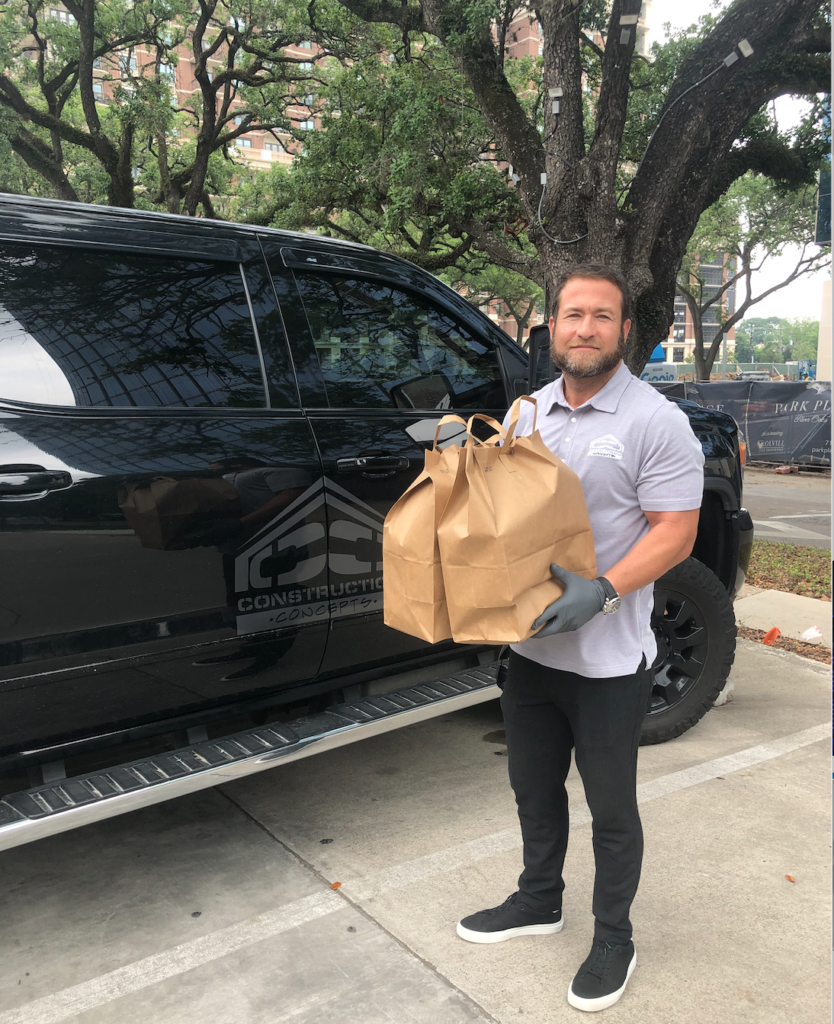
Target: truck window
[
  {"x": 382, "y": 347},
  {"x": 96, "y": 328}
]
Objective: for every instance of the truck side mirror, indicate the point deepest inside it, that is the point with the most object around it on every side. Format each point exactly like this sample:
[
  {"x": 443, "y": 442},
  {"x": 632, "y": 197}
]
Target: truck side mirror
[{"x": 541, "y": 368}]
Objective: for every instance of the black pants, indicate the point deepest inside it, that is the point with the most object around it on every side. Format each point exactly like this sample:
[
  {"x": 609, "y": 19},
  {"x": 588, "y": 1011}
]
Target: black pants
[{"x": 547, "y": 713}]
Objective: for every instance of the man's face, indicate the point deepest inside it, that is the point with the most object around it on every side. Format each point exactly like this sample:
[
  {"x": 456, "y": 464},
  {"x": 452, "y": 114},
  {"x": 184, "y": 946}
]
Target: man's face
[{"x": 588, "y": 334}]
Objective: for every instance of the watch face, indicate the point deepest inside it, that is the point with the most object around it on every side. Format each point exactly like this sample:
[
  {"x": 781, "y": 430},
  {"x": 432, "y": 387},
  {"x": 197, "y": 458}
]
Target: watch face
[{"x": 611, "y": 605}]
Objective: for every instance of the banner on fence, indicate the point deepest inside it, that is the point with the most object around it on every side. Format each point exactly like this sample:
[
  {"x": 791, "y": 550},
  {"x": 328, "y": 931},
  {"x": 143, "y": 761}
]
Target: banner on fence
[{"x": 782, "y": 421}]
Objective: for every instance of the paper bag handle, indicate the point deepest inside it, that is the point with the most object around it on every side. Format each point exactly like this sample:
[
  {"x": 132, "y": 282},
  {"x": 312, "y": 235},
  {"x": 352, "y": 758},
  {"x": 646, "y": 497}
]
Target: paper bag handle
[
  {"x": 447, "y": 419},
  {"x": 490, "y": 422},
  {"x": 515, "y": 414}
]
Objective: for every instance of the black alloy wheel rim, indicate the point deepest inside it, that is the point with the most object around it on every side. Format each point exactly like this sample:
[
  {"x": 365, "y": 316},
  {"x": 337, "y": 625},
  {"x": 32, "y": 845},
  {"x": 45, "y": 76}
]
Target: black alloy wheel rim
[{"x": 682, "y": 645}]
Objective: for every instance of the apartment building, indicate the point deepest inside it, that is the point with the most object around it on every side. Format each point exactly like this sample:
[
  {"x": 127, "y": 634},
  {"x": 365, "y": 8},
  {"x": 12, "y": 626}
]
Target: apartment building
[{"x": 680, "y": 346}]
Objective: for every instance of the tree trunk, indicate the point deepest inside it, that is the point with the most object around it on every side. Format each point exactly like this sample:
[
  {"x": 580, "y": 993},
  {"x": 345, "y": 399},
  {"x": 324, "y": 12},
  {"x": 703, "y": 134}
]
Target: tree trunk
[{"x": 199, "y": 171}]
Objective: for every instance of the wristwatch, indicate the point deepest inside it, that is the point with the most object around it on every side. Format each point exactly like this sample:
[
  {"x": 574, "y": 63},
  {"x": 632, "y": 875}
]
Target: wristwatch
[{"x": 612, "y": 598}]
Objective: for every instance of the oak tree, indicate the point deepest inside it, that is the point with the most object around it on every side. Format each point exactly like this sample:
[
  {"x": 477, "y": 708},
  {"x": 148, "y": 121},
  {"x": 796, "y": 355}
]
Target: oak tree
[
  {"x": 88, "y": 100},
  {"x": 622, "y": 189}
]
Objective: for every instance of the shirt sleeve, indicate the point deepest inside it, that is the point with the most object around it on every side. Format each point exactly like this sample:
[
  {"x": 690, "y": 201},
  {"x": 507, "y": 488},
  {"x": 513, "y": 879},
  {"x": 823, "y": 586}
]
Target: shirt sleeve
[{"x": 671, "y": 477}]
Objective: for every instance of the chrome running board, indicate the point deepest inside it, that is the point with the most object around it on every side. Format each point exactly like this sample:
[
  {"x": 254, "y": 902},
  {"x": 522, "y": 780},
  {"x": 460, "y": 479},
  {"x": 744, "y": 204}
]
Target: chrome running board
[{"x": 70, "y": 803}]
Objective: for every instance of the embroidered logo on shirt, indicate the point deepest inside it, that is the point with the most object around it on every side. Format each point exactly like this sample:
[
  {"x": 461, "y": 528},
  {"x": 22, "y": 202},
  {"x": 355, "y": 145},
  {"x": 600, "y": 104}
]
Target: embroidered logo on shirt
[{"x": 607, "y": 446}]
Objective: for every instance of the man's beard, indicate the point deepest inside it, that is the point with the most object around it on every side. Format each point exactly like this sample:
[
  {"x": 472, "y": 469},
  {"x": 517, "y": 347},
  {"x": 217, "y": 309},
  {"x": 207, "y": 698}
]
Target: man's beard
[{"x": 604, "y": 362}]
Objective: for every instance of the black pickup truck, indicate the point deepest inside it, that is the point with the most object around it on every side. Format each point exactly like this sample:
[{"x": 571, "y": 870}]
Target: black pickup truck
[{"x": 202, "y": 428}]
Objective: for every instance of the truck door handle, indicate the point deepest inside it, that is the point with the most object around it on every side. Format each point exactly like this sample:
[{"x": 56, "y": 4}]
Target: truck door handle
[
  {"x": 377, "y": 464},
  {"x": 26, "y": 482}
]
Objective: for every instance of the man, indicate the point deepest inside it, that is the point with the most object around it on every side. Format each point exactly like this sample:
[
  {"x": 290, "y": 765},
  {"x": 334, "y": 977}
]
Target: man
[{"x": 583, "y": 681}]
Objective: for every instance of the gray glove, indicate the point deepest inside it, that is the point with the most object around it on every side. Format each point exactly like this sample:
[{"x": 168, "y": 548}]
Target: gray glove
[{"x": 581, "y": 601}]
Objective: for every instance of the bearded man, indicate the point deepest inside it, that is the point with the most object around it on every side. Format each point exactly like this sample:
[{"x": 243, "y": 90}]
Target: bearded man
[{"x": 583, "y": 682}]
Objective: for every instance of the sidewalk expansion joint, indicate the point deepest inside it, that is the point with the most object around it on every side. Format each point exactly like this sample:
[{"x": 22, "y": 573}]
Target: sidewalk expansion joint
[{"x": 350, "y": 902}]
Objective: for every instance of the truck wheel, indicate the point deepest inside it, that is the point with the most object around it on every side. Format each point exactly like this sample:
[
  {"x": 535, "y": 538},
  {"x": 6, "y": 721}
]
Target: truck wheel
[{"x": 695, "y": 626}]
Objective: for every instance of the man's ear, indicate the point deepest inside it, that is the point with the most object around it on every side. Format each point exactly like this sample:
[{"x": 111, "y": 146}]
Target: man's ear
[{"x": 626, "y": 329}]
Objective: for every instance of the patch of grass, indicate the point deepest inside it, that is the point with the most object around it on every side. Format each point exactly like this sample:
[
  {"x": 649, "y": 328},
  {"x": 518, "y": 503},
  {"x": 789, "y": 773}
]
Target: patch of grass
[{"x": 792, "y": 568}]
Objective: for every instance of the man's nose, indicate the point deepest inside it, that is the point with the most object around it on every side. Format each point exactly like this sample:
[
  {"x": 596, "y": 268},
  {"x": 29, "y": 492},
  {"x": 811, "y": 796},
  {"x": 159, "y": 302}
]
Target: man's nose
[{"x": 586, "y": 327}]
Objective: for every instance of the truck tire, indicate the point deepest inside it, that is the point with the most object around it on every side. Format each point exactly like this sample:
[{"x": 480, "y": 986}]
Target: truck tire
[{"x": 695, "y": 626}]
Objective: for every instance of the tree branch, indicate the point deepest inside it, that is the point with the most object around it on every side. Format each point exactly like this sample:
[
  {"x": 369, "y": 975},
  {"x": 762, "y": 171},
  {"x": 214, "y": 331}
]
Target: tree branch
[
  {"x": 587, "y": 41},
  {"x": 678, "y": 167},
  {"x": 803, "y": 266},
  {"x": 408, "y": 18},
  {"x": 612, "y": 104},
  {"x": 37, "y": 155}
]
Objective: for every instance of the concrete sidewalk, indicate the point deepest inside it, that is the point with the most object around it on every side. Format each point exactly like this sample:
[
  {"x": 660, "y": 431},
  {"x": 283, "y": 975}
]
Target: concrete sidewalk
[
  {"x": 219, "y": 906},
  {"x": 791, "y": 613}
]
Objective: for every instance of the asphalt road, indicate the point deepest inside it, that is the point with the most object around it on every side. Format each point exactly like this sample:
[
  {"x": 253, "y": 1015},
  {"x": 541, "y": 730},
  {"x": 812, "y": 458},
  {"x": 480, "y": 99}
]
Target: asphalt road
[
  {"x": 794, "y": 508},
  {"x": 221, "y": 906}
]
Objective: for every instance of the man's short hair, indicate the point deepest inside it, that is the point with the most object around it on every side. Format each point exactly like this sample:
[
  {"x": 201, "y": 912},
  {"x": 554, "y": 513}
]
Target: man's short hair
[{"x": 599, "y": 271}]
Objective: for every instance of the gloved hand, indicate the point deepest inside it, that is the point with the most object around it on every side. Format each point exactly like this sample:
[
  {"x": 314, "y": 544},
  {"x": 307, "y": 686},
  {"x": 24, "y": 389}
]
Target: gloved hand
[{"x": 580, "y": 602}]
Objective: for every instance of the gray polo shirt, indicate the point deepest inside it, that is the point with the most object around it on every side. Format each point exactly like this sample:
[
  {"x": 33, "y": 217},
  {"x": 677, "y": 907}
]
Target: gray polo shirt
[{"x": 634, "y": 451}]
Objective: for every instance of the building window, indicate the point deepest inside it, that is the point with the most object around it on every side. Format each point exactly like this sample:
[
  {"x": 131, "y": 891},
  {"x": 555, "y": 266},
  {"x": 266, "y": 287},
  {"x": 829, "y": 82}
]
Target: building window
[
  {"x": 63, "y": 16},
  {"x": 98, "y": 93},
  {"x": 272, "y": 147},
  {"x": 305, "y": 65},
  {"x": 677, "y": 355},
  {"x": 309, "y": 99},
  {"x": 244, "y": 143},
  {"x": 711, "y": 274},
  {"x": 307, "y": 126},
  {"x": 306, "y": 45}
]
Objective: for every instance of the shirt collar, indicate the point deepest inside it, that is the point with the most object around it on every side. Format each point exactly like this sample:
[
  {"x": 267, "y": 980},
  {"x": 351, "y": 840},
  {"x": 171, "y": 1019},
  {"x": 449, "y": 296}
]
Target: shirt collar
[{"x": 605, "y": 400}]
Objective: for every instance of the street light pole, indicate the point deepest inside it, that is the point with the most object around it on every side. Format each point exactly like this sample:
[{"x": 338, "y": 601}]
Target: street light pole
[{"x": 724, "y": 355}]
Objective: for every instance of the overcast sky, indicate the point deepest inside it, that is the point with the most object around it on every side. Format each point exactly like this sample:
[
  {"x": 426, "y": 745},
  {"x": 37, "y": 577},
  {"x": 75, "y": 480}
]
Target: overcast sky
[{"x": 804, "y": 297}]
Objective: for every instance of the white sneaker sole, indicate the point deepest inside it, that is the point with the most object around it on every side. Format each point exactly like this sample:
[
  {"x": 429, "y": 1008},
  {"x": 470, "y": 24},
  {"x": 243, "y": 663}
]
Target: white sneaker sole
[
  {"x": 509, "y": 933},
  {"x": 590, "y": 1005}
]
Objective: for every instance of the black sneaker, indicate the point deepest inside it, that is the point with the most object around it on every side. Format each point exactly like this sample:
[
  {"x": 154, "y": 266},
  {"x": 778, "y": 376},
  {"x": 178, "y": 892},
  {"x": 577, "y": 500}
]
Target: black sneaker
[
  {"x": 602, "y": 979},
  {"x": 512, "y": 918}
]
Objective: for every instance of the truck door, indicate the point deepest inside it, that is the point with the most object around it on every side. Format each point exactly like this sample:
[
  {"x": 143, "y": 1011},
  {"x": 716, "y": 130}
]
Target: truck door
[
  {"x": 155, "y": 526},
  {"x": 391, "y": 362}
]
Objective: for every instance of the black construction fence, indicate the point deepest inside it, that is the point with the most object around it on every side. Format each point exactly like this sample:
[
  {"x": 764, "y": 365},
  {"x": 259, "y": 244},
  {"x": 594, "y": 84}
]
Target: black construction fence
[{"x": 781, "y": 421}]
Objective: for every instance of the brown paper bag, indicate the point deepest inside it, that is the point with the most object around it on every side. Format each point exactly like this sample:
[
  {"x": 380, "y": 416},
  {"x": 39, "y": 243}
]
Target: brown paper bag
[
  {"x": 513, "y": 510},
  {"x": 413, "y": 595},
  {"x": 161, "y": 512}
]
